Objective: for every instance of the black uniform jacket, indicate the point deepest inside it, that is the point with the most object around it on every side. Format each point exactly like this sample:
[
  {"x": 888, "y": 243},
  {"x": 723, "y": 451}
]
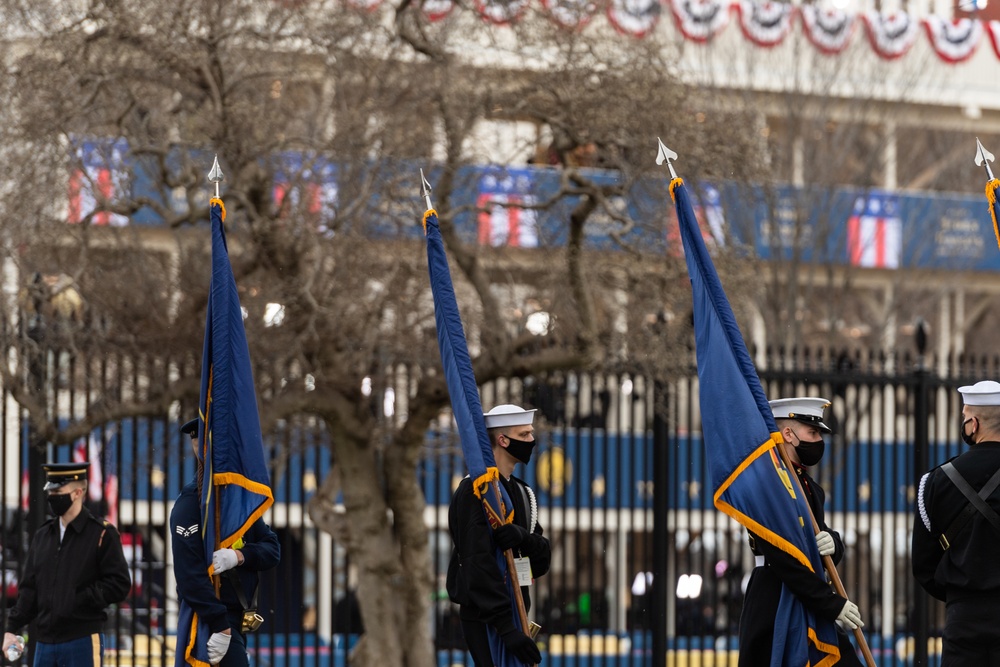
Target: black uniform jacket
[
  {"x": 811, "y": 588},
  {"x": 67, "y": 585},
  {"x": 970, "y": 567},
  {"x": 474, "y": 580},
  {"x": 261, "y": 551}
]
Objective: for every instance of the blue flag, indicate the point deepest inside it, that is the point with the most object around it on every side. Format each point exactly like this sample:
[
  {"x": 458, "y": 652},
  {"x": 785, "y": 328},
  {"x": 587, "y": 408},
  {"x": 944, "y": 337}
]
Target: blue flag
[
  {"x": 468, "y": 413},
  {"x": 992, "y": 188},
  {"x": 236, "y": 486},
  {"x": 749, "y": 481}
]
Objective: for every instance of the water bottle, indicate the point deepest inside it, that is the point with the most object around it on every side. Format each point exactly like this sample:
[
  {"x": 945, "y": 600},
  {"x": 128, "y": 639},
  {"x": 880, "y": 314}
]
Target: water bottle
[{"x": 15, "y": 650}]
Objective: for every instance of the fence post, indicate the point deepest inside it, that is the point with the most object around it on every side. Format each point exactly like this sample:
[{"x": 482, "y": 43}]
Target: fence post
[
  {"x": 921, "y": 416},
  {"x": 658, "y": 607},
  {"x": 36, "y": 356}
]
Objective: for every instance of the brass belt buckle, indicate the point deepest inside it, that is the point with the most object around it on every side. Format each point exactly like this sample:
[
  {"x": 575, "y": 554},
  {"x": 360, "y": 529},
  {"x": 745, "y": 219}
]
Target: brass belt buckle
[
  {"x": 943, "y": 541},
  {"x": 252, "y": 620}
]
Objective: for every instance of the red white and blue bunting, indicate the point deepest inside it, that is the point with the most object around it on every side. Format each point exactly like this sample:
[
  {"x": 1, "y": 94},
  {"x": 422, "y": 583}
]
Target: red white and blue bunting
[
  {"x": 993, "y": 28},
  {"x": 765, "y": 23},
  {"x": 365, "y": 5},
  {"x": 435, "y": 10},
  {"x": 501, "y": 12},
  {"x": 829, "y": 30},
  {"x": 700, "y": 20},
  {"x": 636, "y": 18},
  {"x": 954, "y": 41},
  {"x": 571, "y": 14},
  {"x": 891, "y": 35}
]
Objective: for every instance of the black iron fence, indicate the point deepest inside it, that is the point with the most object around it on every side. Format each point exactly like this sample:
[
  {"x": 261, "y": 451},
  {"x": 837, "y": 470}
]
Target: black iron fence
[{"x": 645, "y": 571}]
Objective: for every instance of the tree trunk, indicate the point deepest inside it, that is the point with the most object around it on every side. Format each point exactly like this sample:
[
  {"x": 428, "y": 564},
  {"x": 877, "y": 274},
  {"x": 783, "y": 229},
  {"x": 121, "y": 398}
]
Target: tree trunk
[{"x": 391, "y": 553}]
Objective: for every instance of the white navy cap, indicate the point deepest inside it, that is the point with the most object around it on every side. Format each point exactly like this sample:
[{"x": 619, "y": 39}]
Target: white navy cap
[
  {"x": 803, "y": 409},
  {"x": 986, "y": 392},
  {"x": 508, "y": 415}
]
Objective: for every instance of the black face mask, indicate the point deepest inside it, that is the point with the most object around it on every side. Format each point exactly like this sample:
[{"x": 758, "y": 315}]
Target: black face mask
[
  {"x": 967, "y": 438},
  {"x": 810, "y": 451},
  {"x": 520, "y": 449},
  {"x": 59, "y": 503}
]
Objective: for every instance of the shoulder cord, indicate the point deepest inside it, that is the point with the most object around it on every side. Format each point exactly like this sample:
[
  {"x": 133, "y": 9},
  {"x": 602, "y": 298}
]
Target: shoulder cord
[
  {"x": 920, "y": 502},
  {"x": 534, "y": 509}
]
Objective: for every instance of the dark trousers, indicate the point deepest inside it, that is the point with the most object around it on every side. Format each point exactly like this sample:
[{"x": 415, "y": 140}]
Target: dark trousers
[
  {"x": 83, "y": 652},
  {"x": 971, "y": 635},
  {"x": 236, "y": 656},
  {"x": 478, "y": 642},
  {"x": 757, "y": 622}
]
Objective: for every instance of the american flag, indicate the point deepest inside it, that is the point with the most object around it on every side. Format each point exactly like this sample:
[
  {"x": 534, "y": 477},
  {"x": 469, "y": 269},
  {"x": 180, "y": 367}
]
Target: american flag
[
  {"x": 501, "y": 225},
  {"x": 875, "y": 232},
  {"x": 319, "y": 201},
  {"x": 99, "y": 486},
  {"x": 101, "y": 179}
]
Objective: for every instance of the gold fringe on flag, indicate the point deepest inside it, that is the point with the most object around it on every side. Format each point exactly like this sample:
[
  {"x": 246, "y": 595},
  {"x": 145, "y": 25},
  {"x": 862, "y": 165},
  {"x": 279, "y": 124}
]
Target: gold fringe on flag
[
  {"x": 674, "y": 184},
  {"x": 991, "y": 197},
  {"x": 481, "y": 484},
  {"x": 429, "y": 211},
  {"x": 216, "y": 200}
]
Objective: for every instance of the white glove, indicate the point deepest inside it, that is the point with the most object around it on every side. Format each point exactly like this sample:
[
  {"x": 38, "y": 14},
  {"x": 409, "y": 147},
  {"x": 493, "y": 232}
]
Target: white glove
[
  {"x": 218, "y": 646},
  {"x": 850, "y": 617},
  {"x": 824, "y": 541},
  {"x": 224, "y": 559}
]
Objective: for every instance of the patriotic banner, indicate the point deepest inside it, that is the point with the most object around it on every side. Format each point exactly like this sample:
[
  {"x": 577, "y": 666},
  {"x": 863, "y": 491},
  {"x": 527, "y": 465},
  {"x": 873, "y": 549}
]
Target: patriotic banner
[
  {"x": 312, "y": 196},
  {"x": 954, "y": 41},
  {"x": 435, "y": 10},
  {"x": 765, "y": 23},
  {"x": 501, "y": 12},
  {"x": 97, "y": 183},
  {"x": 829, "y": 30},
  {"x": 571, "y": 14},
  {"x": 102, "y": 482},
  {"x": 365, "y": 5},
  {"x": 749, "y": 481},
  {"x": 875, "y": 232},
  {"x": 635, "y": 18},
  {"x": 993, "y": 28},
  {"x": 700, "y": 20},
  {"x": 503, "y": 225},
  {"x": 891, "y": 35}
]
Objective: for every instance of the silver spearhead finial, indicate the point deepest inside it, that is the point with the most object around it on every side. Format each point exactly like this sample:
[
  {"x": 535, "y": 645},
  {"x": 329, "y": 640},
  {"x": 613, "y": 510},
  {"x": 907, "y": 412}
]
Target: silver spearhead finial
[
  {"x": 426, "y": 191},
  {"x": 664, "y": 154},
  {"x": 983, "y": 159},
  {"x": 215, "y": 175}
]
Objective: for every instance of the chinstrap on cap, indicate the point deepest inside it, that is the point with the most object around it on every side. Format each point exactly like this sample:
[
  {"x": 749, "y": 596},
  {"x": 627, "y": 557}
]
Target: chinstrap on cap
[
  {"x": 804, "y": 409},
  {"x": 986, "y": 392},
  {"x": 190, "y": 429},
  {"x": 509, "y": 415},
  {"x": 58, "y": 475}
]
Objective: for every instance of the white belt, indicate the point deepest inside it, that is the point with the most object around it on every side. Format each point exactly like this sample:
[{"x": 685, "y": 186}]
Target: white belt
[{"x": 759, "y": 560}]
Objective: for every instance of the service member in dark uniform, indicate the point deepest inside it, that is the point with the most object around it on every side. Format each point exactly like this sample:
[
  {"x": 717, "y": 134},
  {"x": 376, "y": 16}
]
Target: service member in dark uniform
[
  {"x": 800, "y": 422},
  {"x": 75, "y": 569},
  {"x": 239, "y": 569},
  {"x": 956, "y": 531},
  {"x": 474, "y": 581}
]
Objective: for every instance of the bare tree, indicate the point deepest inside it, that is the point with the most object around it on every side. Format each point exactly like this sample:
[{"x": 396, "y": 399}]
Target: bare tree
[{"x": 339, "y": 108}]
